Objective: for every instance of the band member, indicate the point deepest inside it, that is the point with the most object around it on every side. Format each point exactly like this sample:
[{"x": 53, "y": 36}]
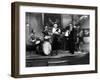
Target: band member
[
  {"x": 81, "y": 40},
  {"x": 77, "y": 37},
  {"x": 55, "y": 29},
  {"x": 32, "y": 37},
  {"x": 56, "y": 32},
  {"x": 72, "y": 39},
  {"x": 32, "y": 40},
  {"x": 45, "y": 32},
  {"x": 66, "y": 37}
]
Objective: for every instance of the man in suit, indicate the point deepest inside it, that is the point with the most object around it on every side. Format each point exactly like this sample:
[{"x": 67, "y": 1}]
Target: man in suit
[{"x": 72, "y": 39}]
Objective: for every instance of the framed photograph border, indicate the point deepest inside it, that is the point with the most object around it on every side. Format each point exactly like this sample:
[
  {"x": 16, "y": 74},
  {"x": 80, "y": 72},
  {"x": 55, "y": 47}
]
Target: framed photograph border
[{"x": 15, "y": 38}]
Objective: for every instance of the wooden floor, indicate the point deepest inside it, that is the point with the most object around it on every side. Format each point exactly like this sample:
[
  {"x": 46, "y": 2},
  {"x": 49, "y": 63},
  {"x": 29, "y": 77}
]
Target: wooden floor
[{"x": 62, "y": 58}]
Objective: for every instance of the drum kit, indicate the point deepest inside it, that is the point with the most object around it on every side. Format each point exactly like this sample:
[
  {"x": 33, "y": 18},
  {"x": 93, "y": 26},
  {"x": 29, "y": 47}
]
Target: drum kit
[{"x": 43, "y": 46}]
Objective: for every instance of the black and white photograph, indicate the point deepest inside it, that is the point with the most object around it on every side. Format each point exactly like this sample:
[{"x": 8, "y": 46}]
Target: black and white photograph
[
  {"x": 51, "y": 39},
  {"x": 57, "y": 39}
]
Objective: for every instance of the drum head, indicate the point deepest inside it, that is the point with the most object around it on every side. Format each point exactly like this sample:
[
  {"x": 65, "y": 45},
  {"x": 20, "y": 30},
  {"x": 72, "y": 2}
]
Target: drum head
[{"x": 47, "y": 48}]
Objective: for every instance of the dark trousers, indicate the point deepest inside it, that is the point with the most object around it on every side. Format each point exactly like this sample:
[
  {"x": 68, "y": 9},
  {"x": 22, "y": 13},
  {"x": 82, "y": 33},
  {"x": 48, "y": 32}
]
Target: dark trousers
[
  {"x": 55, "y": 43},
  {"x": 65, "y": 43},
  {"x": 71, "y": 46}
]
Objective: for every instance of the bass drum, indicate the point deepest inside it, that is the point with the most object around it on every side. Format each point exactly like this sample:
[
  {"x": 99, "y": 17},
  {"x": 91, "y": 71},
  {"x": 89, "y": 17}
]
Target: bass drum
[{"x": 46, "y": 47}]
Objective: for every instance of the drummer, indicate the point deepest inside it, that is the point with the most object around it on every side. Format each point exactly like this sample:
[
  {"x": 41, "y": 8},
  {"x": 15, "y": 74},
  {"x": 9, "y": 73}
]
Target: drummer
[
  {"x": 56, "y": 32},
  {"x": 45, "y": 30},
  {"x": 46, "y": 33}
]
